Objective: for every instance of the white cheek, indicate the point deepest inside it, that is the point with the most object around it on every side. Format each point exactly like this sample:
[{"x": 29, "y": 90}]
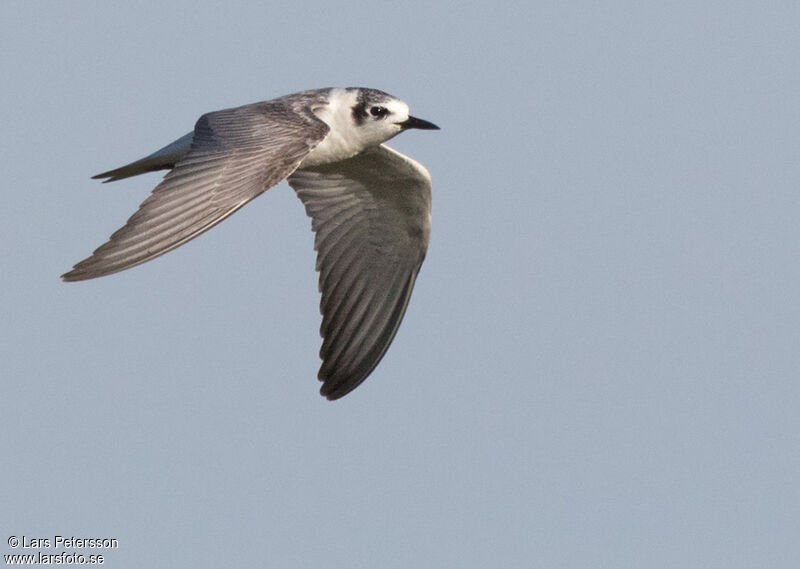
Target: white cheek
[{"x": 381, "y": 131}]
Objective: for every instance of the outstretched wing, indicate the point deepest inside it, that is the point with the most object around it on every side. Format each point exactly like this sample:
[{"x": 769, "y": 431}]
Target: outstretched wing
[
  {"x": 236, "y": 154},
  {"x": 371, "y": 216}
]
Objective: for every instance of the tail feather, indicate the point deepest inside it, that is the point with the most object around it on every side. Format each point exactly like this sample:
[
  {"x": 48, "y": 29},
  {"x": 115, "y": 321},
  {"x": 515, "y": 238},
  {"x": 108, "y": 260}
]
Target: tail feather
[{"x": 163, "y": 159}]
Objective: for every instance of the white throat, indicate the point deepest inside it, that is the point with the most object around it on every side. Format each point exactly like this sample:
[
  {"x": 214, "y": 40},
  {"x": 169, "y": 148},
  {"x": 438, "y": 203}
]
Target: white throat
[{"x": 344, "y": 139}]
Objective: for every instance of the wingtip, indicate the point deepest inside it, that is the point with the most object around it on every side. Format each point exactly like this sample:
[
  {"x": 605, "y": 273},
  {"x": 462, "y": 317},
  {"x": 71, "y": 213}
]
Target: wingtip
[
  {"x": 77, "y": 273},
  {"x": 328, "y": 392},
  {"x": 333, "y": 389},
  {"x": 69, "y": 277},
  {"x": 333, "y": 397}
]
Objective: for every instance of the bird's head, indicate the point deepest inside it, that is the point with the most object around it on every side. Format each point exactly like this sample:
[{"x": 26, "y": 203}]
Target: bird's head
[
  {"x": 379, "y": 116},
  {"x": 359, "y": 118}
]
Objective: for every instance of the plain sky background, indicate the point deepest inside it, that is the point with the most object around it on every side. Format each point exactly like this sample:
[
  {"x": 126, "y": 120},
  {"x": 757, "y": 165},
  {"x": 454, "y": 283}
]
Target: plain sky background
[{"x": 599, "y": 365}]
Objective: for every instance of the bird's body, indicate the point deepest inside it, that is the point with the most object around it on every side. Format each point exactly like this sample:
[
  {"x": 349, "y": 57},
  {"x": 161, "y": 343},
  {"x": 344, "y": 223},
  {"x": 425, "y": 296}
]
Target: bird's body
[{"x": 370, "y": 207}]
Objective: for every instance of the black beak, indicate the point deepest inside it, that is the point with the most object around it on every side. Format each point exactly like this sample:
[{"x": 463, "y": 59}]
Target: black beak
[{"x": 414, "y": 122}]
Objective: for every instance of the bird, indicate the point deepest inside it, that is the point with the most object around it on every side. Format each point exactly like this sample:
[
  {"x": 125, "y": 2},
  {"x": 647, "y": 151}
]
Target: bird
[{"x": 370, "y": 207}]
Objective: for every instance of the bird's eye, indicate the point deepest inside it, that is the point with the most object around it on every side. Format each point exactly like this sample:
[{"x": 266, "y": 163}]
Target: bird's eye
[{"x": 379, "y": 111}]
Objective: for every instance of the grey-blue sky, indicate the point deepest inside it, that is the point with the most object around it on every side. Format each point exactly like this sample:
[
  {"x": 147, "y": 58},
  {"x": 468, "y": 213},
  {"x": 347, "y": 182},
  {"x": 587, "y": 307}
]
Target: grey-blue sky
[{"x": 599, "y": 364}]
